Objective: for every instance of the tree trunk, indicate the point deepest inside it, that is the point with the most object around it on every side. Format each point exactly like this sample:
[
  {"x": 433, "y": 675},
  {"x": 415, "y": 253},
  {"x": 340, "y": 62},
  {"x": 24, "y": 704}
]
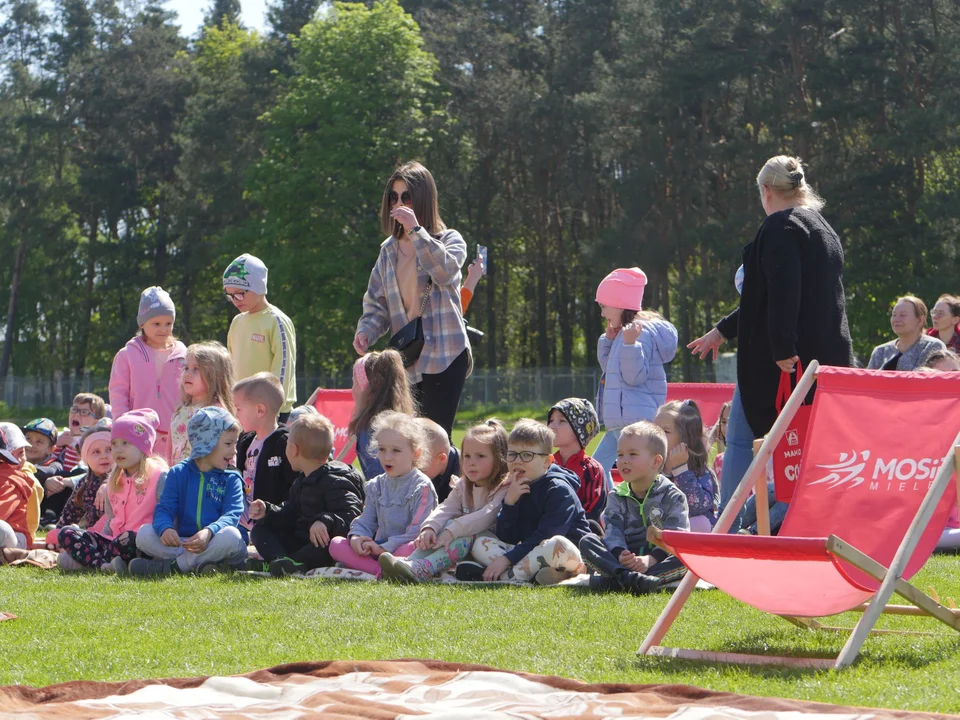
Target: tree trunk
[
  {"x": 87, "y": 320},
  {"x": 11, "y": 328}
]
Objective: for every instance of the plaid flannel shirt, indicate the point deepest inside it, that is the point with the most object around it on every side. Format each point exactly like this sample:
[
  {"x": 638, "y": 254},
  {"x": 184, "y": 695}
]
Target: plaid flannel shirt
[{"x": 444, "y": 332}]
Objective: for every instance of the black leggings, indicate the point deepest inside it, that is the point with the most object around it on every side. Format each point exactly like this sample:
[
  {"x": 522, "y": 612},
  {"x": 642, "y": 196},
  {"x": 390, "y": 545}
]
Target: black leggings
[{"x": 439, "y": 395}]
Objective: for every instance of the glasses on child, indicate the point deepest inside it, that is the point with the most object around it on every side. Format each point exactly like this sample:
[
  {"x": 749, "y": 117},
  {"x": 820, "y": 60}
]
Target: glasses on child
[
  {"x": 404, "y": 198},
  {"x": 235, "y": 297},
  {"x": 82, "y": 412},
  {"x": 524, "y": 455}
]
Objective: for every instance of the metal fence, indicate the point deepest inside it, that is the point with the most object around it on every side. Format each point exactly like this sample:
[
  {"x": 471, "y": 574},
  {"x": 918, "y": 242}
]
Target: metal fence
[{"x": 529, "y": 386}]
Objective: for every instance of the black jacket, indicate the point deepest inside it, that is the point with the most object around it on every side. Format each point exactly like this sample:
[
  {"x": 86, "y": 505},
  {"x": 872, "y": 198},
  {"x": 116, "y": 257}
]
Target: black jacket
[
  {"x": 274, "y": 474},
  {"x": 332, "y": 494},
  {"x": 792, "y": 304},
  {"x": 441, "y": 483}
]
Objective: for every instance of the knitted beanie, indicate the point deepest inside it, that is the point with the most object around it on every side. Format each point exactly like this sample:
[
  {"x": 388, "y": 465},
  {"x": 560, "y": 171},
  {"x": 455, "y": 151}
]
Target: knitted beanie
[
  {"x": 139, "y": 428},
  {"x": 581, "y": 416},
  {"x": 100, "y": 431},
  {"x": 623, "y": 289},
  {"x": 247, "y": 272},
  {"x": 154, "y": 302}
]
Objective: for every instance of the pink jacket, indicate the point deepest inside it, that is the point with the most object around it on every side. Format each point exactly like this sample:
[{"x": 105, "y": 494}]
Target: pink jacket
[
  {"x": 454, "y": 515},
  {"x": 132, "y": 507},
  {"x": 134, "y": 384}
]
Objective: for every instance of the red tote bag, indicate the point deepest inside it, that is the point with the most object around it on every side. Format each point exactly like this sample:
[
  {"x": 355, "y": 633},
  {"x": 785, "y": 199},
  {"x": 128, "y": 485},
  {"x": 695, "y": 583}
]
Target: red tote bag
[{"x": 789, "y": 451}]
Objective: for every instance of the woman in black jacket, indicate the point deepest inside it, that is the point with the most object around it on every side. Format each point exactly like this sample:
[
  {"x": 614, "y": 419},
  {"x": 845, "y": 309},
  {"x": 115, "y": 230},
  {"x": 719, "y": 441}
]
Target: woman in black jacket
[{"x": 792, "y": 309}]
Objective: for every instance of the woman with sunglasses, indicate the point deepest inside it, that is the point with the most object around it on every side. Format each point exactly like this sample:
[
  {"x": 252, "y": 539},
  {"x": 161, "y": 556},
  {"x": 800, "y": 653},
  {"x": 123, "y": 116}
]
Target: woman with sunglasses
[{"x": 417, "y": 275}]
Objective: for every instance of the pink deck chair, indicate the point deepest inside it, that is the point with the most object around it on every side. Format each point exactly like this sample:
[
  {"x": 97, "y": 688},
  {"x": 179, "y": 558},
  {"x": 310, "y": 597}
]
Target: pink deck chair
[{"x": 876, "y": 485}]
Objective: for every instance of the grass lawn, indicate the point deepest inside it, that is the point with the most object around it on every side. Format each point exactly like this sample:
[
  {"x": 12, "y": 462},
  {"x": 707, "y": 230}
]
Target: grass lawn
[{"x": 106, "y": 628}]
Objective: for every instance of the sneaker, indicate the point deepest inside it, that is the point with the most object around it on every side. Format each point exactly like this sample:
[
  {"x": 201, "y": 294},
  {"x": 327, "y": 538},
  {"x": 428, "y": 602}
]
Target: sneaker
[
  {"x": 397, "y": 569},
  {"x": 216, "y": 568},
  {"x": 602, "y": 583},
  {"x": 152, "y": 568},
  {"x": 282, "y": 567},
  {"x": 117, "y": 566},
  {"x": 65, "y": 561},
  {"x": 470, "y": 571},
  {"x": 550, "y": 576},
  {"x": 257, "y": 566},
  {"x": 638, "y": 583}
]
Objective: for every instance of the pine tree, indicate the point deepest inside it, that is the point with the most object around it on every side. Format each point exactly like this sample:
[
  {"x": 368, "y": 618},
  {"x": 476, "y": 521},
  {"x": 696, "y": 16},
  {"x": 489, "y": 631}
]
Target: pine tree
[{"x": 221, "y": 12}]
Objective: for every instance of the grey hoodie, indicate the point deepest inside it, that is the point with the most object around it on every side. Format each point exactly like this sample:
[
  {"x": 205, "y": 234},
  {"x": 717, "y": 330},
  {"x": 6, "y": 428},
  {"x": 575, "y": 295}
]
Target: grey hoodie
[{"x": 626, "y": 518}]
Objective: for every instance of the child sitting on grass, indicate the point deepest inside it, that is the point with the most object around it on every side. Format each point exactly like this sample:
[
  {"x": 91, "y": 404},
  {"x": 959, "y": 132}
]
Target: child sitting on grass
[
  {"x": 194, "y": 525},
  {"x": 17, "y": 492},
  {"x": 541, "y": 520},
  {"x": 397, "y": 502},
  {"x": 686, "y": 463},
  {"x": 472, "y": 507},
  {"x": 574, "y": 423},
  {"x": 132, "y": 493},
  {"x": 262, "y": 448},
  {"x": 324, "y": 500},
  {"x": 87, "y": 409},
  {"x": 624, "y": 559},
  {"x": 81, "y": 508},
  {"x": 444, "y": 461},
  {"x": 41, "y": 434}
]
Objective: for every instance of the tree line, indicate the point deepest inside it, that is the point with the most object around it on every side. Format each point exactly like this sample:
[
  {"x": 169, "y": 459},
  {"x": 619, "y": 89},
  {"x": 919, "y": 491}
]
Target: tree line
[{"x": 569, "y": 137}]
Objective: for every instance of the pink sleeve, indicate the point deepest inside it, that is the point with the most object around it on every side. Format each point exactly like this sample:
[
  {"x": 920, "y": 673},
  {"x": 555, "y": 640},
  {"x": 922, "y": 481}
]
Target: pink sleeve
[
  {"x": 120, "y": 384},
  {"x": 448, "y": 510}
]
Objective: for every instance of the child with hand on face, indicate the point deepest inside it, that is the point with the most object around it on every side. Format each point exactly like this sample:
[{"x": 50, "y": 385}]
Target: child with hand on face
[
  {"x": 194, "y": 525},
  {"x": 643, "y": 504},
  {"x": 574, "y": 424},
  {"x": 81, "y": 509},
  {"x": 133, "y": 489},
  {"x": 146, "y": 372},
  {"x": 207, "y": 380},
  {"x": 686, "y": 463},
  {"x": 541, "y": 520},
  {"x": 471, "y": 508},
  {"x": 397, "y": 502},
  {"x": 324, "y": 500}
]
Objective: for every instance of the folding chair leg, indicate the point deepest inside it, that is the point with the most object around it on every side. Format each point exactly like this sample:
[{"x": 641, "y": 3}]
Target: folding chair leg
[
  {"x": 670, "y": 612},
  {"x": 892, "y": 576}
]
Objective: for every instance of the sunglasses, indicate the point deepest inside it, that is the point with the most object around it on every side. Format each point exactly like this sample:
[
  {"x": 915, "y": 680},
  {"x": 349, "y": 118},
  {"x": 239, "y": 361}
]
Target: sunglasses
[
  {"x": 235, "y": 297},
  {"x": 404, "y": 198},
  {"x": 525, "y": 455}
]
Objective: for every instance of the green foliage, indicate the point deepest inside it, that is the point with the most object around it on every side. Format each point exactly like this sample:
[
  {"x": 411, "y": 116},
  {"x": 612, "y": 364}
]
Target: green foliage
[
  {"x": 362, "y": 98},
  {"x": 232, "y": 625}
]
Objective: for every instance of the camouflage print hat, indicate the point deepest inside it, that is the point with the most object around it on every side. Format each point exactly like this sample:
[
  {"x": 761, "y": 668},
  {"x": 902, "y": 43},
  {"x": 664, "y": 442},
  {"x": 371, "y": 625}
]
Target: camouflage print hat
[
  {"x": 581, "y": 416},
  {"x": 44, "y": 426}
]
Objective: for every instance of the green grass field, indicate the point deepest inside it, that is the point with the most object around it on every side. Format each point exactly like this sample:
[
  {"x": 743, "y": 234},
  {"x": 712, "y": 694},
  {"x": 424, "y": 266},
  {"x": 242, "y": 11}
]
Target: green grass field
[{"x": 106, "y": 628}]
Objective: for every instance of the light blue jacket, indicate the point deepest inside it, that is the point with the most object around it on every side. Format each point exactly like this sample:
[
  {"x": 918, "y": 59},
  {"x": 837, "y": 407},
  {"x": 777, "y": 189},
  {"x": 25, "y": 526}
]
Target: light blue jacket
[
  {"x": 395, "y": 508},
  {"x": 634, "y": 383}
]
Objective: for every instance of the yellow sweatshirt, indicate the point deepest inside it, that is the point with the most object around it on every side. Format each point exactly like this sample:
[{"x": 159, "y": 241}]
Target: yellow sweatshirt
[
  {"x": 265, "y": 341},
  {"x": 33, "y": 504}
]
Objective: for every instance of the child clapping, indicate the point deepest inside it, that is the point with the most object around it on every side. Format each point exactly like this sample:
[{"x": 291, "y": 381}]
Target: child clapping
[{"x": 323, "y": 501}]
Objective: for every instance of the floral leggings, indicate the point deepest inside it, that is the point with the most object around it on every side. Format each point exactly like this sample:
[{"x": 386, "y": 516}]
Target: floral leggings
[{"x": 95, "y": 551}]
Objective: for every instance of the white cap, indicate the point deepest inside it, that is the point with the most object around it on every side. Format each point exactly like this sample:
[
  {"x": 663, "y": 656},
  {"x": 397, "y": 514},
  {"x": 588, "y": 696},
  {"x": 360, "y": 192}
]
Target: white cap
[{"x": 15, "y": 437}]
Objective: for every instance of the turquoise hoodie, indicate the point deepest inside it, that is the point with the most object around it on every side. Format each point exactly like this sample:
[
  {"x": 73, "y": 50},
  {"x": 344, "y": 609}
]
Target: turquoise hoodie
[{"x": 194, "y": 500}]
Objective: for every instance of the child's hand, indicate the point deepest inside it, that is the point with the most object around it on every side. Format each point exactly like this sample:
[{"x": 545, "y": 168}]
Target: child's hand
[
  {"x": 198, "y": 543},
  {"x": 53, "y": 485},
  {"x": 170, "y": 538},
  {"x": 258, "y": 508},
  {"x": 360, "y": 344},
  {"x": 372, "y": 549},
  {"x": 645, "y": 563},
  {"x": 627, "y": 559},
  {"x": 357, "y": 544},
  {"x": 426, "y": 540},
  {"x": 611, "y": 331},
  {"x": 678, "y": 456},
  {"x": 631, "y": 332},
  {"x": 100, "y": 501},
  {"x": 64, "y": 439},
  {"x": 655, "y": 537},
  {"x": 444, "y": 539},
  {"x": 405, "y": 215},
  {"x": 517, "y": 489},
  {"x": 319, "y": 535},
  {"x": 497, "y": 568}
]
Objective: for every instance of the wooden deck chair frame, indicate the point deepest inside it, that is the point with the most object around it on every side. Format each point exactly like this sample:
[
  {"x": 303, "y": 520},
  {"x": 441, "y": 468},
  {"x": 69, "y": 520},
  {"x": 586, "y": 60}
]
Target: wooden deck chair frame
[{"x": 889, "y": 578}]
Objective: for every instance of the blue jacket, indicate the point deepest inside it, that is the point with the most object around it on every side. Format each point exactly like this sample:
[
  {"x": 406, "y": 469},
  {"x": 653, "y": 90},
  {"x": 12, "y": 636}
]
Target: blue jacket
[
  {"x": 550, "y": 508},
  {"x": 215, "y": 496},
  {"x": 634, "y": 383}
]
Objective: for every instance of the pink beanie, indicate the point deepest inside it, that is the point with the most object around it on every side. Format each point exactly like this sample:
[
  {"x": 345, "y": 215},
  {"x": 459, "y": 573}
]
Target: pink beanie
[
  {"x": 139, "y": 428},
  {"x": 623, "y": 289}
]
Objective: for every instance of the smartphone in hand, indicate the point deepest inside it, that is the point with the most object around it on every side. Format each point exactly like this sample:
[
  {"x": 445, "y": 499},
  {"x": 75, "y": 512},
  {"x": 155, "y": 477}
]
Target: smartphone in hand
[{"x": 482, "y": 254}]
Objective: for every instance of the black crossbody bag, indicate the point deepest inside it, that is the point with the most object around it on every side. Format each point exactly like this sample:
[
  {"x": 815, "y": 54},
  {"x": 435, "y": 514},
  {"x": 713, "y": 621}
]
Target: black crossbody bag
[{"x": 408, "y": 340}]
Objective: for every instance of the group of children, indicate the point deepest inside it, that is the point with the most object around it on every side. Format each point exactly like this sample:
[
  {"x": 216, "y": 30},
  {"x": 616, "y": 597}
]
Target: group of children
[{"x": 186, "y": 480}]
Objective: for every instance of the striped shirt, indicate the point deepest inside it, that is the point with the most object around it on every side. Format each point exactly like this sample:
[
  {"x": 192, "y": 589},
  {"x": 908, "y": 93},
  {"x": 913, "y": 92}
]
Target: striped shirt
[
  {"x": 265, "y": 341},
  {"x": 444, "y": 332}
]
